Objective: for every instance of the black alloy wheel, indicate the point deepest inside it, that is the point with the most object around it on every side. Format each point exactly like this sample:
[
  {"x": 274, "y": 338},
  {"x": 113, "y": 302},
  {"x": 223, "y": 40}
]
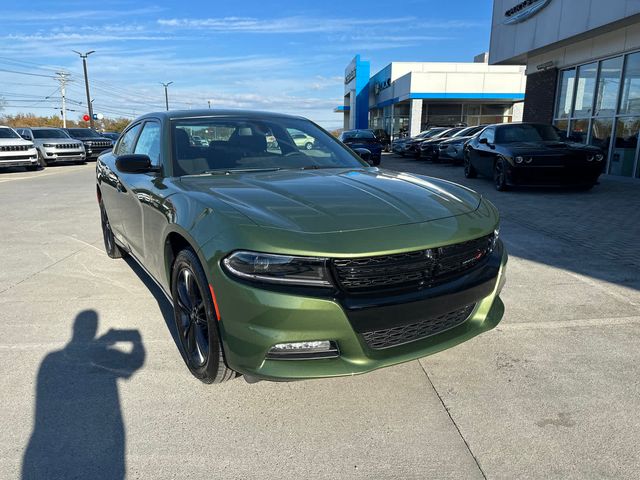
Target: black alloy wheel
[
  {"x": 196, "y": 320},
  {"x": 110, "y": 245},
  {"x": 500, "y": 175},
  {"x": 469, "y": 171}
]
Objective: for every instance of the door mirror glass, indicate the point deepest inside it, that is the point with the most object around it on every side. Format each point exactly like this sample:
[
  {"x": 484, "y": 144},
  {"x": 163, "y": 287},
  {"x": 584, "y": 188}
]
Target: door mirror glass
[
  {"x": 134, "y": 163},
  {"x": 484, "y": 141}
]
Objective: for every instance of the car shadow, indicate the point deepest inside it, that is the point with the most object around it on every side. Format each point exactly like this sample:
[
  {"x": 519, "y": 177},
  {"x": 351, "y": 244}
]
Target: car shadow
[{"x": 78, "y": 428}]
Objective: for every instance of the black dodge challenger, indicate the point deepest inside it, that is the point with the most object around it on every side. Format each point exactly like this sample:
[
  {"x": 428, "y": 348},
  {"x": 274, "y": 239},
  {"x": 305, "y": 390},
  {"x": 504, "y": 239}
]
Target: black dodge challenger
[{"x": 531, "y": 154}]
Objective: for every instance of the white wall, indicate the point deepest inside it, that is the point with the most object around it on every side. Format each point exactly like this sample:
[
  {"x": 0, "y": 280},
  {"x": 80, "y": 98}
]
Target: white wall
[{"x": 559, "y": 21}]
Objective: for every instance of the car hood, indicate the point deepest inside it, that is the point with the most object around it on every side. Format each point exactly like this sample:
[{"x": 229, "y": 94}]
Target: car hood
[
  {"x": 15, "y": 141},
  {"x": 334, "y": 200},
  {"x": 550, "y": 148},
  {"x": 58, "y": 141}
]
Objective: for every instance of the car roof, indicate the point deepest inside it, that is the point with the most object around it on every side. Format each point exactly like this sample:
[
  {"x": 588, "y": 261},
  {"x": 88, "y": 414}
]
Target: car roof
[{"x": 207, "y": 113}]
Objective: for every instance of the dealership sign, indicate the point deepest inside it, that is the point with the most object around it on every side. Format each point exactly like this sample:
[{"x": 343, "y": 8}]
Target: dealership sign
[
  {"x": 524, "y": 10},
  {"x": 379, "y": 86},
  {"x": 350, "y": 76}
]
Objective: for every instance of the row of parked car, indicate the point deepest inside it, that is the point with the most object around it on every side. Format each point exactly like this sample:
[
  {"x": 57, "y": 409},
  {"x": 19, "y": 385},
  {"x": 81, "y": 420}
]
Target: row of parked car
[
  {"x": 512, "y": 154},
  {"x": 37, "y": 147}
]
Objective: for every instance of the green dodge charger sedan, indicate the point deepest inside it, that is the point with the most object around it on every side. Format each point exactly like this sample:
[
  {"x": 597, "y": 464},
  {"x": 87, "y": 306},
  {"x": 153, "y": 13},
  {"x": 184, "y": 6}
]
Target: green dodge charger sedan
[{"x": 284, "y": 262}]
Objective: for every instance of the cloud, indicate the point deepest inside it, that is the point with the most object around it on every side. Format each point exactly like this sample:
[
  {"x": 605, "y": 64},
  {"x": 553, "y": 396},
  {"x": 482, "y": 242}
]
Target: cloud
[{"x": 285, "y": 25}]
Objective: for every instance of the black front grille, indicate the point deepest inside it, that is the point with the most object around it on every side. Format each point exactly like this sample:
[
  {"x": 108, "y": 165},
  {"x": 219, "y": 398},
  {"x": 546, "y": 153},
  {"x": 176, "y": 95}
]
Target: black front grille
[
  {"x": 412, "y": 270},
  {"x": 392, "y": 337},
  {"x": 14, "y": 148}
]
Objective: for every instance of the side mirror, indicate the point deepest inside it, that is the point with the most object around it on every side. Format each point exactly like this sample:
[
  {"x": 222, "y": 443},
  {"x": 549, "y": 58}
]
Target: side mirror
[
  {"x": 134, "y": 163},
  {"x": 364, "y": 154},
  {"x": 484, "y": 141},
  {"x": 26, "y": 136}
]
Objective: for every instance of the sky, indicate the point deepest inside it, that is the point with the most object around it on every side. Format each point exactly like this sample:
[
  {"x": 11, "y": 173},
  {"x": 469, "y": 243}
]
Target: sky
[{"x": 286, "y": 56}]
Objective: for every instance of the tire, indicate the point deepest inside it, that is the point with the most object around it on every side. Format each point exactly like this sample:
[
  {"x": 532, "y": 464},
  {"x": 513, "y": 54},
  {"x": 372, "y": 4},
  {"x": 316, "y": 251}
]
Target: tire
[
  {"x": 376, "y": 162},
  {"x": 308, "y": 145},
  {"x": 32, "y": 168},
  {"x": 469, "y": 171},
  {"x": 585, "y": 188},
  {"x": 500, "y": 175},
  {"x": 41, "y": 161},
  {"x": 110, "y": 245},
  {"x": 196, "y": 320},
  {"x": 79, "y": 162}
]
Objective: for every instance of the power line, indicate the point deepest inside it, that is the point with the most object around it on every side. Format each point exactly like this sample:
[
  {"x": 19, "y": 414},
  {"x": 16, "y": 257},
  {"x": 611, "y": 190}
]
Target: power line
[{"x": 26, "y": 73}]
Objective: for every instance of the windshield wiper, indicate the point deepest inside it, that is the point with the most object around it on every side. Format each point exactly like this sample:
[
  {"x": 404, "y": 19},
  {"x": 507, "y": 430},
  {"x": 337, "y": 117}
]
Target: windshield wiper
[
  {"x": 240, "y": 170},
  {"x": 317, "y": 167}
]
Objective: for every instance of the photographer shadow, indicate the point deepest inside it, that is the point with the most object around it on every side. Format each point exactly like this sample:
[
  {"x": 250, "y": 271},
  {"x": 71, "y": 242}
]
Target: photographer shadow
[{"x": 78, "y": 428}]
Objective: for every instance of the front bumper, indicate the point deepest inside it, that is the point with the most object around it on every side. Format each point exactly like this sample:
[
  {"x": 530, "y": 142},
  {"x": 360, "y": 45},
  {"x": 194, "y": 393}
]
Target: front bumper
[
  {"x": 19, "y": 159},
  {"x": 93, "y": 152},
  {"x": 53, "y": 155},
  {"x": 254, "y": 319},
  {"x": 531, "y": 175}
]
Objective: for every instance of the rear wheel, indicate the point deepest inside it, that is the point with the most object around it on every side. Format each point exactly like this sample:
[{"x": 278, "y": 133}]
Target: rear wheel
[
  {"x": 469, "y": 171},
  {"x": 110, "y": 245},
  {"x": 196, "y": 320},
  {"x": 500, "y": 175}
]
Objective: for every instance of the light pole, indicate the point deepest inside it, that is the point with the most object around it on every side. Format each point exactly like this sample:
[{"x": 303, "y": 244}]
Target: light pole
[
  {"x": 84, "y": 56},
  {"x": 166, "y": 94}
]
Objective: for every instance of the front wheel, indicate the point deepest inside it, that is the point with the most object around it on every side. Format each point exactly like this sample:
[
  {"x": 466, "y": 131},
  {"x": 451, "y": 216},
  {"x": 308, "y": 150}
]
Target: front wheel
[
  {"x": 469, "y": 171},
  {"x": 110, "y": 245},
  {"x": 196, "y": 320},
  {"x": 500, "y": 175}
]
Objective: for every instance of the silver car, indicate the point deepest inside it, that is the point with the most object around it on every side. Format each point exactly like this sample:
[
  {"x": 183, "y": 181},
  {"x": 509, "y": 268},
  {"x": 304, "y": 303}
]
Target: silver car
[{"x": 54, "y": 145}]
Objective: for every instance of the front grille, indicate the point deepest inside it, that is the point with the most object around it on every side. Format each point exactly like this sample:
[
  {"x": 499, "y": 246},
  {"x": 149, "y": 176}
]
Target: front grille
[
  {"x": 68, "y": 146},
  {"x": 392, "y": 337},
  {"x": 101, "y": 144},
  {"x": 14, "y": 148},
  {"x": 412, "y": 270}
]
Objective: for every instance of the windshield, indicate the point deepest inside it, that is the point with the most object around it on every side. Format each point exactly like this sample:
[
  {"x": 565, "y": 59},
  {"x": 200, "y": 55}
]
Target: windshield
[
  {"x": 236, "y": 144},
  {"x": 432, "y": 133},
  {"x": 466, "y": 132},
  {"x": 358, "y": 134},
  {"x": 48, "y": 133},
  {"x": 450, "y": 133},
  {"x": 526, "y": 133},
  {"x": 8, "y": 133},
  {"x": 83, "y": 133}
]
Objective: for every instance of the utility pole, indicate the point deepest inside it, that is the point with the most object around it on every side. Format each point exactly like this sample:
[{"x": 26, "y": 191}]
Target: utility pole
[
  {"x": 62, "y": 79},
  {"x": 166, "y": 94},
  {"x": 84, "y": 56}
]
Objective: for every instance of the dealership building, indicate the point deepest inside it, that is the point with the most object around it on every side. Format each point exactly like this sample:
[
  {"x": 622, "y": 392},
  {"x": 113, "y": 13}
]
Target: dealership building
[
  {"x": 582, "y": 62},
  {"x": 410, "y": 96}
]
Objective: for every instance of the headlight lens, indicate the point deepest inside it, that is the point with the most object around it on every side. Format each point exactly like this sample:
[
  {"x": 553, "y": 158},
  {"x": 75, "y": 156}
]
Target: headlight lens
[
  {"x": 279, "y": 269},
  {"x": 519, "y": 159},
  {"x": 48, "y": 145},
  {"x": 590, "y": 158},
  {"x": 599, "y": 157}
]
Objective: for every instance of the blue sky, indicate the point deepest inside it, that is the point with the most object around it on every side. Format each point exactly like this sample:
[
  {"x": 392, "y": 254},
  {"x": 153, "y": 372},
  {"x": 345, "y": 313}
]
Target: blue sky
[{"x": 284, "y": 56}]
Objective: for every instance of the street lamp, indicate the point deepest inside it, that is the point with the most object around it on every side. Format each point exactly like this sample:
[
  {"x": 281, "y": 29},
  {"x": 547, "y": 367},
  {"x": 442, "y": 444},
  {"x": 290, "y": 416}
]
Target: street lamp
[
  {"x": 166, "y": 95},
  {"x": 84, "y": 56}
]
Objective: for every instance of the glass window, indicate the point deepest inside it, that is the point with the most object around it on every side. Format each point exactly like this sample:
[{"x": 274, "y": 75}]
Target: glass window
[
  {"x": 630, "y": 101},
  {"x": 247, "y": 148},
  {"x": 149, "y": 142},
  {"x": 563, "y": 126},
  {"x": 526, "y": 133},
  {"x": 49, "y": 133},
  {"x": 601, "y": 133},
  {"x": 125, "y": 146},
  {"x": 608, "y": 86},
  {"x": 579, "y": 130},
  {"x": 489, "y": 134},
  {"x": 565, "y": 94},
  {"x": 8, "y": 133},
  {"x": 585, "y": 89},
  {"x": 624, "y": 149}
]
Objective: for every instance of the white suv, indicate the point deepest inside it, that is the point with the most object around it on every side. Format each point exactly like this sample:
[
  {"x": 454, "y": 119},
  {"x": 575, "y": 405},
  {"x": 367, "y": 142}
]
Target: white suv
[{"x": 15, "y": 151}]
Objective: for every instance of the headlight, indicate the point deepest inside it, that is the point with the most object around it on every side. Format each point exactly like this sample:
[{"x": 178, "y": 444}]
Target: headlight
[
  {"x": 48, "y": 145},
  {"x": 88, "y": 144},
  {"x": 590, "y": 158},
  {"x": 280, "y": 269},
  {"x": 519, "y": 159},
  {"x": 599, "y": 157}
]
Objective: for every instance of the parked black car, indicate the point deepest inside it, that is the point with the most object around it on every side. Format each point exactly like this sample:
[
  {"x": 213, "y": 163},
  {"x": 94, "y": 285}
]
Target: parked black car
[
  {"x": 412, "y": 145},
  {"x": 531, "y": 154},
  {"x": 429, "y": 149},
  {"x": 452, "y": 149},
  {"x": 357, "y": 139},
  {"x": 384, "y": 138},
  {"x": 113, "y": 136},
  {"x": 94, "y": 143}
]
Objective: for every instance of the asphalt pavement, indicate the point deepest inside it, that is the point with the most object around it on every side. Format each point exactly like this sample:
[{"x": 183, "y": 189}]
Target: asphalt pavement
[{"x": 93, "y": 385}]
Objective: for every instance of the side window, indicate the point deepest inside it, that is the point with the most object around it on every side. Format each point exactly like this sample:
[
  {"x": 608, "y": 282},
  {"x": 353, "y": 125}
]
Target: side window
[
  {"x": 149, "y": 142},
  {"x": 489, "y": 134},
  {"x": 125, "y": 144}
]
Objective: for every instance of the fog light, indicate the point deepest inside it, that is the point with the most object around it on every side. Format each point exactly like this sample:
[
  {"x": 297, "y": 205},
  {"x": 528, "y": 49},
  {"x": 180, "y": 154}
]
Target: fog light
[
  {"x": 519, "y": 159},
  {"x": 303, "y": 350}
]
